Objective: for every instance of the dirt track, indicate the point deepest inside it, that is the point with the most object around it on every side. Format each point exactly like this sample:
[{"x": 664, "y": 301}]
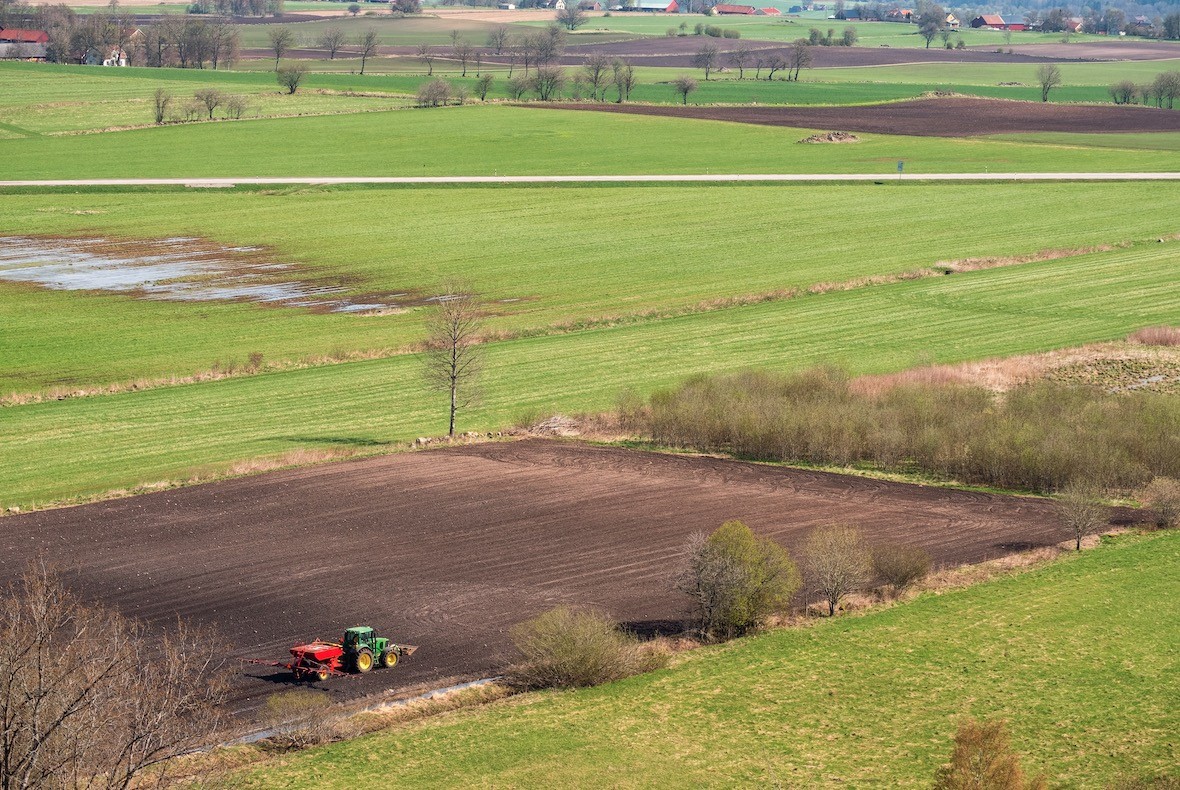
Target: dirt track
[
  {"x": 942, "y": 117},
  {"x": 448, "y": 549}
]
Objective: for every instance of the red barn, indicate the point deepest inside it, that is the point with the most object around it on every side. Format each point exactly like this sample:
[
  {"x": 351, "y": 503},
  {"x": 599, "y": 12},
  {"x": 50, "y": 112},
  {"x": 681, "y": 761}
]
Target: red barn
[
  {"x": 16, "y": 35},
  {"x": 988, "y": 20},
  {"x": 742, "y": 10}
]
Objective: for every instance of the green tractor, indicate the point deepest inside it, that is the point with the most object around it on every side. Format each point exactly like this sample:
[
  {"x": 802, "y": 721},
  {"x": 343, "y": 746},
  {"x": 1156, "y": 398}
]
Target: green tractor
[{"x": 363, "y": 648}]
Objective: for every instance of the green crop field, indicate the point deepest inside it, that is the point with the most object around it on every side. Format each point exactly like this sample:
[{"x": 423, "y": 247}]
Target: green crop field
[
  {"x": 1087, "y": 678},
  {"x": 585, "y": 258},
  {"x": 498, "y": 140},
  {"x": 58, "y": 449}
]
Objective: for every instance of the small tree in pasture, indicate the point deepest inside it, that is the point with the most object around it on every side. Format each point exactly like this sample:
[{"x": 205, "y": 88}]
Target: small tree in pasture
[
  {"x": 1079, "y": 513},
  {"x": 1049, "y": 77},
  {"x": 453, "y": 357},
  {"x": 735, "y": 579},
  {"x": 281, "y": 41},
  {"x": 684, "y": 85},
  {"x": 837, "y": 562},
  {"x": 291, "y": 76}
]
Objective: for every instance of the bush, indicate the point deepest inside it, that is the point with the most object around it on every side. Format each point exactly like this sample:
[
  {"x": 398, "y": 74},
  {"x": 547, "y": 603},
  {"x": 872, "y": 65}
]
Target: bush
[
  {"x": 735, "y": 580},
  {"x": 434, "y": 93},
  {"x": 983, "y": 760},
  {"x": 713, "y": 30},
  {"x": 731, "y": 33},
  {"x": 1162, "y": 495},
  {"x": 1037, "y": 437},
  {"x": 838, "y": 562},
  {"x": 571, "y": 648},
  {"x": 298, "y": 719},
  {"x": 901, "y": 566}
]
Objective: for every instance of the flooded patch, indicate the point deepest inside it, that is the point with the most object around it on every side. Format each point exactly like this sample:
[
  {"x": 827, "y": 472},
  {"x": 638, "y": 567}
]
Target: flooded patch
[{"x": 181, "y": 269}]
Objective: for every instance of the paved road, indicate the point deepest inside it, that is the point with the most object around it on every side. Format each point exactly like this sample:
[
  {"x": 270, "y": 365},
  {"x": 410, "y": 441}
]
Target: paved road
[{"x": 213, "y": 183}]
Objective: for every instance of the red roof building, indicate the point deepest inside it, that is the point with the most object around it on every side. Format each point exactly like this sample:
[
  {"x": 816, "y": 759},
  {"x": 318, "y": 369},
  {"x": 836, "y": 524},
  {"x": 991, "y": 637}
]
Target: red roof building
[
  {"x": 769, "y": 12},
  {"x": 988, "y": 20},
  {"x": 744, "y": 10},
  {"x": 16, "y": 35}
]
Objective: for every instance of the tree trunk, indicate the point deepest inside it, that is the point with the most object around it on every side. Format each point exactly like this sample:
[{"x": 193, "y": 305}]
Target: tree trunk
[{"x": 451, "y": 429}]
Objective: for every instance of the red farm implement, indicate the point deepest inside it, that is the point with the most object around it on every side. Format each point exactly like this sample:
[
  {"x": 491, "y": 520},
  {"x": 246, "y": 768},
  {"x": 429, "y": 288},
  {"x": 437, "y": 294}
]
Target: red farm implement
[{"x": 360, "y": 651}]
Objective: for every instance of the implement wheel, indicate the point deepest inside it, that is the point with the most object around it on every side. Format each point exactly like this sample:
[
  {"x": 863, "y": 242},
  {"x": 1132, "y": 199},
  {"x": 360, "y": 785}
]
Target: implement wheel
[
  {"x": 363, "y": 660},
  {"x": 322, "y": 674},
  {"x": 389, "y": 659}
]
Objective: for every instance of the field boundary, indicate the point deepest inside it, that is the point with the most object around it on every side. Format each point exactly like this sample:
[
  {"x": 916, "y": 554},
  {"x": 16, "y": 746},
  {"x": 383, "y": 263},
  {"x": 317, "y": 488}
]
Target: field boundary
[{"x": 223, "y": 183}]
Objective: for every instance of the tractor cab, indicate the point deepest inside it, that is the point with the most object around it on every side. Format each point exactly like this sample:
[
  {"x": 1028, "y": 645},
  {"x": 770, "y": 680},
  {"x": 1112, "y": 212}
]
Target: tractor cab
[{"x": 363, "y": 648}]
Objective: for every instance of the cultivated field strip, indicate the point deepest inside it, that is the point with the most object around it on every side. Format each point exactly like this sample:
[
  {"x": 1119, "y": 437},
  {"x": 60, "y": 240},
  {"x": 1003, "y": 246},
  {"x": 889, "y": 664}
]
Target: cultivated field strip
[{"x": 448, "y": 549}]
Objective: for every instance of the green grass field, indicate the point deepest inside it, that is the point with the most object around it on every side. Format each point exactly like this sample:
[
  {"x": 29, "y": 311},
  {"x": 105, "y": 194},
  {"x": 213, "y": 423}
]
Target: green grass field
[
  {"x": 585, "y": 258},
  {"x": 59, "y": 449},
  {"x": 1079, "y": 656},
  {"x": 499, "y": 140}
]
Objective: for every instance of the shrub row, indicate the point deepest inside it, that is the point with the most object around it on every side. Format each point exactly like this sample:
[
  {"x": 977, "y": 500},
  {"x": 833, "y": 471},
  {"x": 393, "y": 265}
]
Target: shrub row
[{"x": 1036, "y": 437}]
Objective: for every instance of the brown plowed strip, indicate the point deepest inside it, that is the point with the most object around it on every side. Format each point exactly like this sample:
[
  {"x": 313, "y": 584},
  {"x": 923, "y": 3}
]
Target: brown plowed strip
[
  {"x": 942, "y": 117},
  {"x": 449, "y": 549}
]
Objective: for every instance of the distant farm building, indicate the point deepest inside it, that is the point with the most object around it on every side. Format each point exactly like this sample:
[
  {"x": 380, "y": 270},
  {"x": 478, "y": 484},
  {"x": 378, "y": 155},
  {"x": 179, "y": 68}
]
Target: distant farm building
[
  {"x": 21, "y": 44},
  {"x": 507, "y": 7},
  {"x": 734, "y": 10},
  {"x": 768, "y": 12},
  {"x": 658, "y": 6},
  {"x": 899, "y": 15},
  {"x": 996, "y": 22},
  {"x": 952, "y": 21}
]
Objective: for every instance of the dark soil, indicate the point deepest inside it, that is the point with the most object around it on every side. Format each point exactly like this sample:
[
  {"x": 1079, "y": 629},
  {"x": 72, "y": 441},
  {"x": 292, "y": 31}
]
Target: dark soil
[
  {"x": 938, "y": 117},
  {"x": 449, "y": 549}
]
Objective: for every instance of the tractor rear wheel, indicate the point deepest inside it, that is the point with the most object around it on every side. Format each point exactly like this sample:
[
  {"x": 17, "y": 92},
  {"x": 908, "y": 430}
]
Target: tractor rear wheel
[
  {"x": 389, "y": 659},
  {"x": 363, "y": 661}
]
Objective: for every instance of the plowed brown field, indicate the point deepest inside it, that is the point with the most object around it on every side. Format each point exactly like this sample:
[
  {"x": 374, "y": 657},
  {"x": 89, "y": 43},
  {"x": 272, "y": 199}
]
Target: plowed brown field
[
  {"x": 449, "y": 549},
  {"x": 937, "y": 117}
]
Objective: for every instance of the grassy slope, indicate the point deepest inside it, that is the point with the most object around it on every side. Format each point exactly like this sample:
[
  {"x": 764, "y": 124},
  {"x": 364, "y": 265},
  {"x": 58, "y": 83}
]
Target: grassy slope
[
  {"x": 491, "y": 140},
  {"x": 585, "y": 260},
  {"x": 1089, "y": 682},
  {"x": 58, "y": 449}
]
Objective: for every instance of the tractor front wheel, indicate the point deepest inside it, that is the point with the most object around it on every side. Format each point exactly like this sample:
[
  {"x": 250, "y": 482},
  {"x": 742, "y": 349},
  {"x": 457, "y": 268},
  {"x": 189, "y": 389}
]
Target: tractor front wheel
[
  {"x": 364, "y": 660},
  {"x": 389, "y": 659}
]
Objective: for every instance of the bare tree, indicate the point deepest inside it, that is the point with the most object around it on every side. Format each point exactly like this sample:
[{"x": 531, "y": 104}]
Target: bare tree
[
  {"x": 290, "y": 77},
  {"x": 775, "y": 62},
  {"x": 1162, "y": 495},
  {"x": 426, "y": 55},
  {"x": 550, "y": 43},
  {"x": 929, "y": 31},
  {"x": 281, "y": 41},
  {"x": 572, "y": 16},
  {"x": 1123, "y": 92},
  {"x": 235, "y": 105},
  {"x": 517, "y": 87},
  {"x": 498, "y": 38},
  {"x": 463, "y": 53},
  {"x": 1050, "y": 77},
  {"x": 368, "y": 42},
  {"x": 740, "y": 58},
  {"x": 837, "y": 561},
  {"x": 453, "y": 354},
  {"x": 800, "y": 57},
  {"x": 1079, "y": 512},
  {"x": 624, "y": 74},
  {"x": 354, "y": 9},
  {"x": 333, "y": 39},
  {"x": 483, "y": 85},
  {"x": 89, "y": 698},
  {"x": 684, "y": 85},
  {"x": 597, "y": 68},
  {"x": 163, "y": 99},
  {"x": 435, "y": 93},
  {"x": 548, "y": 82},
  {"x": 211, "y": 98},
  {"x": 706, "y": 59}
]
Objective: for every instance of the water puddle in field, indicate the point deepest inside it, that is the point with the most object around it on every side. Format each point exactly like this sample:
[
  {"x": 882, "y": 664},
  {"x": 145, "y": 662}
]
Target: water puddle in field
[{"x": 182, "y": 269}]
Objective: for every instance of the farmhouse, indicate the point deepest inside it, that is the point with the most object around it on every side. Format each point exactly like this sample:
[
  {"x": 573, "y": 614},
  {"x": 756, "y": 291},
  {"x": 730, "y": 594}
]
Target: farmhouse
[
  {"x": 952, "y": 21},
  {"x": 733, "y": 10},
  {"x": 768, "y": 12},
  {"x": 658, "y": 6},
  {"x": 988, "y": 20},
  {"x": 899, "y": 15}
]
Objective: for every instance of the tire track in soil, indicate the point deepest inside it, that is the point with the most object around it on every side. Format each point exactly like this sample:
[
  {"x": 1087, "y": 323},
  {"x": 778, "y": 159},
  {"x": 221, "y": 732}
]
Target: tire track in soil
[{"x": 448, "y": 549}]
